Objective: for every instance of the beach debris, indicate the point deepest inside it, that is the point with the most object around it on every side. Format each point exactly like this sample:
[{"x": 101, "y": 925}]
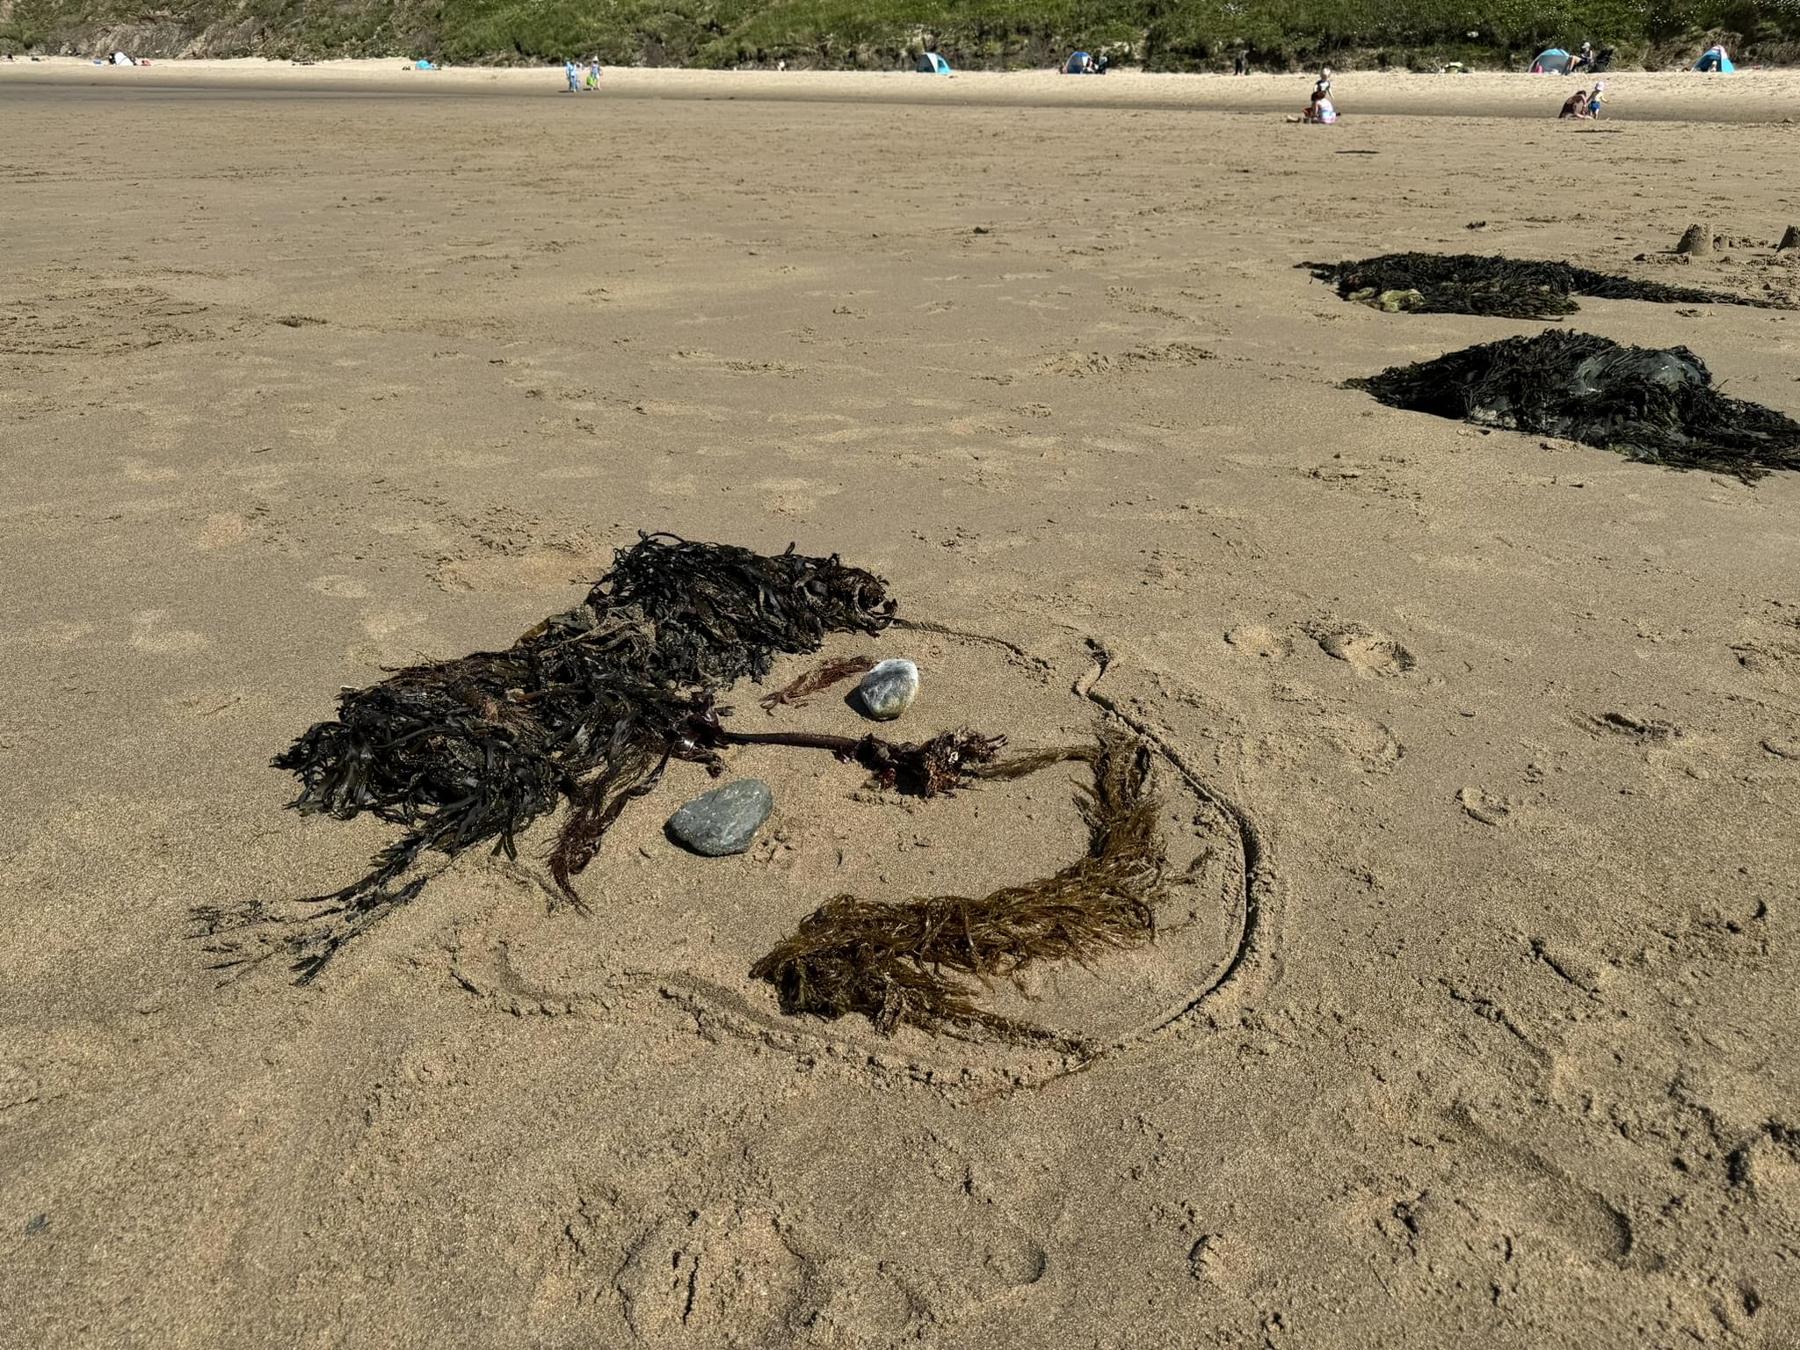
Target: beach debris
[
  {"x": 1696, "y": 240},
  {"x": 1513, "y": 288},
  {"x": 899, "y": 963},
  {"x": 920, "y": 769},
  {"x": 888, "y": 690},
  {"x": 1653, "y": 405},
  {"x": 816, "y": 681},
  {"x": 725, "y": 820},
  {"x": 1396, "y": 302},
  {"x": 588, "y": 707}
]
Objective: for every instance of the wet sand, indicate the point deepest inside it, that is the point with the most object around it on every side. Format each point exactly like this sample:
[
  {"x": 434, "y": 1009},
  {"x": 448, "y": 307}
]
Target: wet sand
[{"x": 293, "y": 389}]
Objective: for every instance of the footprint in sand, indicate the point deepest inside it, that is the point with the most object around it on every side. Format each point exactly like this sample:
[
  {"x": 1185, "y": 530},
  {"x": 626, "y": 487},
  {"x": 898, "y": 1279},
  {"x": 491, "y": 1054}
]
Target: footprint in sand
[
  {"x": 1484, "y": 806},
  {"x": 1366, "y": 651},
  {"x": 1256, "y": 639},
  {"x": 1646, "y": 730},
  {"x": 712, "y": 1278}
]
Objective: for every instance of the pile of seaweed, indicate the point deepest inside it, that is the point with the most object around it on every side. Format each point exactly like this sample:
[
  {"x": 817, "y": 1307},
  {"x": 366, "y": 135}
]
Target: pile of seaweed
[
  {"x": 1649, "y": 404},
  {"x": 1513, "y": 288}
]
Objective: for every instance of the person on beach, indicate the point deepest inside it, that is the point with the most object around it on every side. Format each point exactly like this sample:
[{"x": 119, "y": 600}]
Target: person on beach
[
  {"x": 593, "y": 75},
  {"x": 1576, "y": 105},
  {"x": 1597, "y": 98},
  {"x": 1241, "y": 65},
  {"x": 1319, "y": 108},
  {"x": 1582, "y": 59},
  {"x": 572, "y": 73}
]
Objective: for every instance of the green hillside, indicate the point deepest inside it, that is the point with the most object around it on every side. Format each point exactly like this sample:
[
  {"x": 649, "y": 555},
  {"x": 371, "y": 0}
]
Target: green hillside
[{"x": 879, "y": 34}]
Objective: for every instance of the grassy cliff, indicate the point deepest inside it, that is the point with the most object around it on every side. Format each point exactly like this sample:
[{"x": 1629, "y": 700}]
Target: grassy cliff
[{"x": 879, "y": 34}]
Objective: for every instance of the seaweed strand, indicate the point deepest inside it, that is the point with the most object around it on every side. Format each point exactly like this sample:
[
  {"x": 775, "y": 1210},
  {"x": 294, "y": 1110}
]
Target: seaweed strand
[{"x": 896, "y": 963}]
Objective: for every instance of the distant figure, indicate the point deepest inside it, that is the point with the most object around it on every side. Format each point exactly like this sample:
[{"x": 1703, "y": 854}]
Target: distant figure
[
  {"x": 1240, "y": 64},
  {"x": 1582, "y": 59},
  {"x": 1575, "y": 105},
  {"x": 593, "y": 75},
  {"x": 1597, "y": 98},
  {"x": 572, "y": 73},
  {"x": 1101, "y": 62},
  {"x": 1319, "y": 108}
]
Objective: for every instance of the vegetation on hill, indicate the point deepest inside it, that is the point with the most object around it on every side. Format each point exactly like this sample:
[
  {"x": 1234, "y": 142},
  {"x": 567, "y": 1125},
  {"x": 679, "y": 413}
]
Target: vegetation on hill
[{"x": 884, "y": 34}]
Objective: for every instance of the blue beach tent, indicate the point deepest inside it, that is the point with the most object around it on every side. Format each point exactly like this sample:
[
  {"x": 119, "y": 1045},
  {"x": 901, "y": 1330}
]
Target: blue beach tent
[
  {"x": 1714, "y": 62},
  {"x": 1551, "y": 61},
  {"x": 930, "y": 63}
]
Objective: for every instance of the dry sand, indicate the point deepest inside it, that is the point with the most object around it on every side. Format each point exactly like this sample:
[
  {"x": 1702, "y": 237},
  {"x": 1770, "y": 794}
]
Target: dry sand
[{"x": 295, "y": 384}]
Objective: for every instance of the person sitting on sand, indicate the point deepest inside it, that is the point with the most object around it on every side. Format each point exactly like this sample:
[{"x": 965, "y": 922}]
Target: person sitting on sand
[{"x": 1575, "y": 106}]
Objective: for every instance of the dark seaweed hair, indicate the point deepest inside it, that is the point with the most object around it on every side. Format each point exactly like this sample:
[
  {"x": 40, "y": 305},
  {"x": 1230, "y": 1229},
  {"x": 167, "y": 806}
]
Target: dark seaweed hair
[{"x": 589, "y": 706}]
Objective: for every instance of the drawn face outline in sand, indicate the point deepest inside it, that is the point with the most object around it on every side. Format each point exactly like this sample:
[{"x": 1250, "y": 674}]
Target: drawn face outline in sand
[{"x": 1249, "y": 960}]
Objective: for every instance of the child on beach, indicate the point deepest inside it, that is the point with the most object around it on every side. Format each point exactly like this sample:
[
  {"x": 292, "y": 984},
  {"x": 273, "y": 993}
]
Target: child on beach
[
  {"x": 593, "y": 75},
  {"x": 1596, "y": 98},
  {"x": 1320, "y": 108}
]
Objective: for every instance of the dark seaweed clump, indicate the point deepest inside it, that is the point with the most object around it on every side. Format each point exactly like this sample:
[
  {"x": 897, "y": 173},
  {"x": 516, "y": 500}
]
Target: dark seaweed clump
[
  {"x": 1653, "y": 405},
  {"x": 589, "y": 706},
  {"x": 897, "y": 963},
  {"x": 1512, "y": 288}
]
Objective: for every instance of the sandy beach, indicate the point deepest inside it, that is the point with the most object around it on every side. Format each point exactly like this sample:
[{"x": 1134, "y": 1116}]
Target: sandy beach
[{"x": 311, "y": 372}]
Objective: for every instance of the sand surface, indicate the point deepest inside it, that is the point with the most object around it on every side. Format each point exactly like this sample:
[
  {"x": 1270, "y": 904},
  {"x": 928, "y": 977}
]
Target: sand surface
[{"x": 296, "y": 384}]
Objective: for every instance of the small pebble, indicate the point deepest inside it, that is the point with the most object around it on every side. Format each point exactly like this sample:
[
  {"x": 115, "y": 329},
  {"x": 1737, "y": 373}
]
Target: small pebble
[
  {"x": 724, "y": 820},
  {"x": 888, "y": 690}
]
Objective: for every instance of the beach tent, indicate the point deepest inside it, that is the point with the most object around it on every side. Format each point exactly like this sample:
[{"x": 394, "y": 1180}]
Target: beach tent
[
  {"x": 1714, "y": 61},
  {"x": 930, "y": 63},
  {"x": 120, "y": 59},
  {"x": 1552, "y": 61},
  {"x": 1078, "y": 64}
]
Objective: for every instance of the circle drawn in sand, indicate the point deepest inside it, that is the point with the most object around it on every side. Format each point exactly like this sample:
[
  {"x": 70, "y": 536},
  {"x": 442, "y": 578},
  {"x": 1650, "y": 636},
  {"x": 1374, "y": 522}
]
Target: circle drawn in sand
[{"x": 689, "y": 929}]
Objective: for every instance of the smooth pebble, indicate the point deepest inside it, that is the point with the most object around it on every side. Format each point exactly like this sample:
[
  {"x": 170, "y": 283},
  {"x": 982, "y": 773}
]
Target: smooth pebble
[
  {"x": 724, "y": 820},
  {"x": 889, "y": 689}
]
